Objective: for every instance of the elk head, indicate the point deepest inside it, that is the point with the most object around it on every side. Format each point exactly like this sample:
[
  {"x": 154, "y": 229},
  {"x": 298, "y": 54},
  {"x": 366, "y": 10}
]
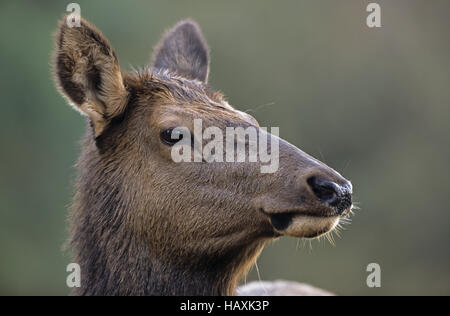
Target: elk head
[{"x": 136, "y": 207}]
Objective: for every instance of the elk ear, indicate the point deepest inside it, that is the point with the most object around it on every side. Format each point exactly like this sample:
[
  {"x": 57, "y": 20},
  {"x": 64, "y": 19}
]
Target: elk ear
[
  {"x": 183, "y": 50},
  {"x": 87, "y": 73}
]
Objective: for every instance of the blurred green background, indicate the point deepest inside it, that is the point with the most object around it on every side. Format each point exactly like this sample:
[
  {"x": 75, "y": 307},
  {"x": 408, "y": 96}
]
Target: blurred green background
[{"x": 372, "y": 103}]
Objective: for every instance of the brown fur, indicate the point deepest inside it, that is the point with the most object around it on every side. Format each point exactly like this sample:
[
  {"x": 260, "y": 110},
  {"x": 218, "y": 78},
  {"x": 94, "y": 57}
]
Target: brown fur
[
  {"x": 143, "y": 225},
  {"x": 88, "y": 74}
]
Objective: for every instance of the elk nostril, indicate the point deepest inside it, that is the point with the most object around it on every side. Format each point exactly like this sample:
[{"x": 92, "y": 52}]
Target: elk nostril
[
  {"x": 325, "y": 190},
  {"x": 331, "y": 193}
]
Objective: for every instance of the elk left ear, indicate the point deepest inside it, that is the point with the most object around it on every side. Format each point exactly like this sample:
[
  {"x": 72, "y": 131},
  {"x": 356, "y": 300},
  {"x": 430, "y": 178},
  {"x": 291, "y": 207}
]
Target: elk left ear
[
  {"x": 88, "y": 74},
  {"x": 183, "y": 50}
]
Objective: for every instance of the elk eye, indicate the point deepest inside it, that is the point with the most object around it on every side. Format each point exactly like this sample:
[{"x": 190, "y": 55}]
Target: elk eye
[{"x": 171, "y": 136}]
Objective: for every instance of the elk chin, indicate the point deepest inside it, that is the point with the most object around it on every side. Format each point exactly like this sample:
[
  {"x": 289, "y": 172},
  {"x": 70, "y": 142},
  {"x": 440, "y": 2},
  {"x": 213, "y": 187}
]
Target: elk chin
[{"x": 303, "y": 226}]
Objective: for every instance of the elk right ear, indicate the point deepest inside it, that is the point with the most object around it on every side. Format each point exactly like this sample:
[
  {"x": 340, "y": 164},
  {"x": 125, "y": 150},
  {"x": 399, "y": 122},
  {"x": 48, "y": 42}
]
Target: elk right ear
[
  {"x": 88, "y": 74},
  {"x": 183, "y": 50}
]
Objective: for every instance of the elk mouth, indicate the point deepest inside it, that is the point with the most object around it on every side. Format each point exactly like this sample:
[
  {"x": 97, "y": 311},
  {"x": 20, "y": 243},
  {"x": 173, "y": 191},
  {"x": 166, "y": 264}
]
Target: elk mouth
[
  {"x": 302, "y": 224},
  {"x": 281, "y": 221}
]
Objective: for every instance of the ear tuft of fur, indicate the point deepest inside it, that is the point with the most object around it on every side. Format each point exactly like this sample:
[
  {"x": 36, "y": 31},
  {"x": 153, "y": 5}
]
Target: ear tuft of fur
[
  {"x": 183, "y": 50},
  {"x": 87, "y": 73}
]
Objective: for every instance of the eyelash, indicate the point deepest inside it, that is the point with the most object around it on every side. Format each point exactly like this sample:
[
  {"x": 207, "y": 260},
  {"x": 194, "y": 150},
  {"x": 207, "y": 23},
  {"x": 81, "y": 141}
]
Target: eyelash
[{"x": 166, "y": 137}]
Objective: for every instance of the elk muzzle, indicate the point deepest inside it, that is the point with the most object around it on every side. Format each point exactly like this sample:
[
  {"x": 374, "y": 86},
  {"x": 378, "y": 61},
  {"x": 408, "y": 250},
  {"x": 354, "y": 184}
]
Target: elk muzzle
[{"x": 312, "y": 197}]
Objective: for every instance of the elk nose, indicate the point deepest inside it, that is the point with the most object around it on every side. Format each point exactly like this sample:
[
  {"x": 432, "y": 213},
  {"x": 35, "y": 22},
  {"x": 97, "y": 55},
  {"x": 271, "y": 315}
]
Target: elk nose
[{"x": 337, "y": 196}]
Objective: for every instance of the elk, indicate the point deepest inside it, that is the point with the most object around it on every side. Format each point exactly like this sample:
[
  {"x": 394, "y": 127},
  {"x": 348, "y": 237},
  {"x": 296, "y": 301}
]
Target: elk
[{"x": 141, "y": 224}]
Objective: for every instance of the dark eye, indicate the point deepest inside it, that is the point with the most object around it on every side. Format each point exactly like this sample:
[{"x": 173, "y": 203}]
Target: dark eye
[{"x": 171, "y": 136}]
